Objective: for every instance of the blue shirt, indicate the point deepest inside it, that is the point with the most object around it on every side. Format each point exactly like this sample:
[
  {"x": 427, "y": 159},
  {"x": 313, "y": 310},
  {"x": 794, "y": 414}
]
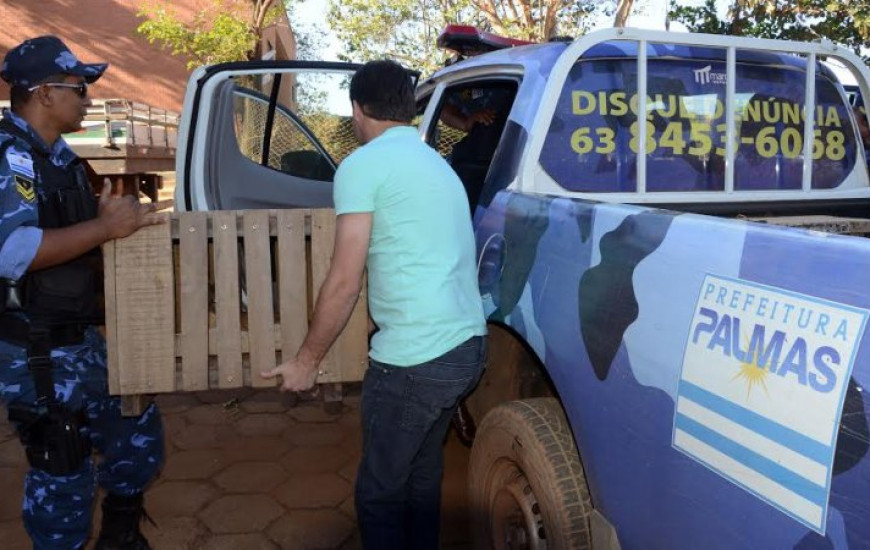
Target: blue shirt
[
  {"x": 19, "y": 184},
  {"x": 422, "y": 272}
]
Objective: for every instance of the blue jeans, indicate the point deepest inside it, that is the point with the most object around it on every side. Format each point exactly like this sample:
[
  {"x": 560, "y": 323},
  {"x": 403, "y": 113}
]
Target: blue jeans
[{"x": 406, "y": 413}]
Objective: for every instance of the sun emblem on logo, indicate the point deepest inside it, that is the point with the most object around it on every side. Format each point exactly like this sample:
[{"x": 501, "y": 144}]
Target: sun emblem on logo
[{"x": 751, "y": 372}]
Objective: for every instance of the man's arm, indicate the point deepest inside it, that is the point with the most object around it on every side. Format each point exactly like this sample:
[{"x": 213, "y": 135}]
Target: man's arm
[
  {"x": 453, "y": 117},
  {"x": 335, "y": 302}
]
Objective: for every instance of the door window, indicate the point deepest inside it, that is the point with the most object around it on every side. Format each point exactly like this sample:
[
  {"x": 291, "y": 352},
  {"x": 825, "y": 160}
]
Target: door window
[
  {"x": 468, "y": 129},
  {"x": 295, "y": 123}
]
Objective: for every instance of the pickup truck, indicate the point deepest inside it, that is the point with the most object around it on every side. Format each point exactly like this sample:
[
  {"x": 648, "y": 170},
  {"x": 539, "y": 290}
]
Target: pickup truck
[{"x": 677, "y": 338}]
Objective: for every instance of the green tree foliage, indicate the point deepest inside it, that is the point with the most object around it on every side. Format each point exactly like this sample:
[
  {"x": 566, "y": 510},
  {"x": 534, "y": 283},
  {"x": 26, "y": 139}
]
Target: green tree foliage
[
  {"x": 229, "y": 30},
  {"x": 846, "y": 22},
  {"x": 405, "y": 30}
]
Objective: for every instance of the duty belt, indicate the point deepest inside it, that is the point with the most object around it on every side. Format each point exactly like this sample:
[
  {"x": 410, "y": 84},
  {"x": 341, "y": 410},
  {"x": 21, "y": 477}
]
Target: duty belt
[{"x": 17, "y": 330}]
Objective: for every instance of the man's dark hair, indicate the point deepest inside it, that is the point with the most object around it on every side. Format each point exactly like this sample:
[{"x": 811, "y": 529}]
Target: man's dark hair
[
  {"x": 19, "y": 96},
  {"x": 384, "y": 90}
]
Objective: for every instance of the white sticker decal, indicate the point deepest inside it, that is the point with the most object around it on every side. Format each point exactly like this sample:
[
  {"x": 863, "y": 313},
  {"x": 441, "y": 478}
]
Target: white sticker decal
[{"x": 764, "y": 377}]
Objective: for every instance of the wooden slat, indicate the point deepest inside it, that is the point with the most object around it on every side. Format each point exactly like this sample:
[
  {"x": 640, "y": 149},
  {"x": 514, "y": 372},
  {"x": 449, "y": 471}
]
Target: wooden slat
[
  {"x": 193, "y": 243},
  {"x": 226, "y": 274},
  {"x": 258, "y": 282},
  {"x": 292, "y": 280},
  {"x": 322, "y": 240},
  {"x": 111, "y": 320},
  {"x": 145, "y": 309},
  {"x": 347, "y": 360},
  {"x": 134, "y": 405}
]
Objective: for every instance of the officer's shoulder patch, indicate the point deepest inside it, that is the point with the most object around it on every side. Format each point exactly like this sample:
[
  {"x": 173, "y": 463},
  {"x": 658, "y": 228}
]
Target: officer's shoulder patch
[
  {"x": 25, "y": 188},
  {"x": 20, "y": 163}
]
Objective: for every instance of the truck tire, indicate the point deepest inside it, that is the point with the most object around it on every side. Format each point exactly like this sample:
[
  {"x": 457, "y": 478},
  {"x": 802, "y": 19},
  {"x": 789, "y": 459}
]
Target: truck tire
[{"x": 526, "y": 485}]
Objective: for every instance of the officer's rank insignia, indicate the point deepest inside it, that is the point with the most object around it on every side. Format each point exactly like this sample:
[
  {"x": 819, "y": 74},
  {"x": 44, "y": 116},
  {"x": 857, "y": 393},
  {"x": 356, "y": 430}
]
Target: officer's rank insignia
[{"x": 25, "y": 188}]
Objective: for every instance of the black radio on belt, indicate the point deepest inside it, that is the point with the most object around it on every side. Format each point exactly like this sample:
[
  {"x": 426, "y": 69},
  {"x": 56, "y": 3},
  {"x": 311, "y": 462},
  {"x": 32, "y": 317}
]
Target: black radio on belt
[{"x": 11, "y": 296}]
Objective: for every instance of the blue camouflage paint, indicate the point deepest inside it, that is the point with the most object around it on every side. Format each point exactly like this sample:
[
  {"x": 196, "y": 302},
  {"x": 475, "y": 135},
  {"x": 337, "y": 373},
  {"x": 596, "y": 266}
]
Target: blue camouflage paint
[
  {"x": 605, "y": 295},
  {"x": 654, "y": 495}
]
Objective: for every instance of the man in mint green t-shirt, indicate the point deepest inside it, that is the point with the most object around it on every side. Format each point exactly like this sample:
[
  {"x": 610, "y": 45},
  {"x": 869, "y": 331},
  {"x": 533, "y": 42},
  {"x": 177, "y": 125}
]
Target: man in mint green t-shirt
[{"x": 402, "y": 214}]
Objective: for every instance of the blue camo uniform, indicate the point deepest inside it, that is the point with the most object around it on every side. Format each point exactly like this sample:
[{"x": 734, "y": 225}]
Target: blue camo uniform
[{"x": 57, "y": 509}]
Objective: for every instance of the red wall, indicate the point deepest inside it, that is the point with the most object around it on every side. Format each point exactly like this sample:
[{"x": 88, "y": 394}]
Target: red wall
[{"x": 104, "y": 30}]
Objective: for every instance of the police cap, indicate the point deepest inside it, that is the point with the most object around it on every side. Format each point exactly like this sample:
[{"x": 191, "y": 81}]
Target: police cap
[{"x": 35, "y": 59}]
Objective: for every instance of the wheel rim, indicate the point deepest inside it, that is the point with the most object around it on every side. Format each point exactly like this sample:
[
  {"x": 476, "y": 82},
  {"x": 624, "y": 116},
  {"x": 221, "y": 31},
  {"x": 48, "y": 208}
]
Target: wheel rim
[{"x": 516, "y": 522}]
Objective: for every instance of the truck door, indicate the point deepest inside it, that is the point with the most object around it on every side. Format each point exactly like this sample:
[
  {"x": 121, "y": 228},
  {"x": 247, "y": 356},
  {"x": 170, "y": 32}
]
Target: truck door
[{"x": 263, "y": 135}]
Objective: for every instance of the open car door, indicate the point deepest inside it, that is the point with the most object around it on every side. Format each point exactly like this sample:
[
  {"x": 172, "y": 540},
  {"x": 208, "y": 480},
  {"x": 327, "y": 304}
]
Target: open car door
[{"x": 263, "y": 134}]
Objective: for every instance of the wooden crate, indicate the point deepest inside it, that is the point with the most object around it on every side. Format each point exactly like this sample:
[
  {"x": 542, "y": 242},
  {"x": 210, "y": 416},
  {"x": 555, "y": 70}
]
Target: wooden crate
[{"x": 193, "y": 304}]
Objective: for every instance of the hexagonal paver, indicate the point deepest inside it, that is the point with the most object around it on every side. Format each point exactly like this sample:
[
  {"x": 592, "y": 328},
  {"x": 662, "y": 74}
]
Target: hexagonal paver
[
  {"x": 179, "y": 498},
  {"x": 268, "y": 402},
  {"x": 255, "y": 541},
  {"x": 202, "y": 437},
  {"x": 349, "y": 470},
  {"x": 313, "y": 435},
  {"x": 246, "y": 449},
  {"x": 176, "y": 533},
  {"x": 14, "y": 536},
  {"x": 261, "y": 425},
  {"x": 315, "y": 460},
  {"x": 251, "y": 477},
  {"x": 12, "y": 489},
  {"x": 170, "y": 403},
  {"x": 312, "y": 413},
  {"x": 241, "y": 513},
  {"x": 348, "y": 508},
  {"x": 209, "y": 415},
  {"x": 199, "y": 464},
  {"x": 12, "y": 453},
  {"x": 313, "y": 491},
  {"x": 351, "y": 419},
  {"x": 173, "y": 424},
  {"x": 353, "y": 543},
  {"x": 220, "y": 397},
  {"x": 312, "y": 530},
  {"x": 353, "y": 442}
]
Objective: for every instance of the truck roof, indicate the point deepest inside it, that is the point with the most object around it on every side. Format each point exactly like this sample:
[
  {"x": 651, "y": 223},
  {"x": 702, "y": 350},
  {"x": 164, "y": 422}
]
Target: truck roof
[
  {"x": 543, "y": 56},
  {"x": 537, "y": 59}
]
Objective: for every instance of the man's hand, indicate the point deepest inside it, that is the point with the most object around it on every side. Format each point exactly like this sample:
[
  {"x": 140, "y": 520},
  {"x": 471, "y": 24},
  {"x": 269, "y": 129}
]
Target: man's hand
[
  {"x": 296, "y": 374},
  {"x": 118, "y": 216},
  {"x": 122, "y": 215},
  {"x": 483, "y": 116}
]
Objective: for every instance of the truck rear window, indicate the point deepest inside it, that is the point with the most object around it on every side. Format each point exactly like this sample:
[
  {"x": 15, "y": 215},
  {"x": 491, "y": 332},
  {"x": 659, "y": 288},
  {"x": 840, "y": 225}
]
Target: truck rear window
[{"x": 593, "y": 138}]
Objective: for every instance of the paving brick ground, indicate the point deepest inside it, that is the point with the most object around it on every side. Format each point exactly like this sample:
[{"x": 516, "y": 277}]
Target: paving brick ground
[{"x": 250, "y": 470}]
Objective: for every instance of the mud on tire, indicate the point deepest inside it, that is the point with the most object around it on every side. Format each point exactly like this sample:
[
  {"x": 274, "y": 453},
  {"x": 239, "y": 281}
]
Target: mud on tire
[{"x": 527, "y": 489}]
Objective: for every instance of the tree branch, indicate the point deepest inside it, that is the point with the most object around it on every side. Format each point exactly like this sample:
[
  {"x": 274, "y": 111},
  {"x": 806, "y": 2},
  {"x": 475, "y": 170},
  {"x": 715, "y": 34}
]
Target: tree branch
[{"x": 489, "y": 10}]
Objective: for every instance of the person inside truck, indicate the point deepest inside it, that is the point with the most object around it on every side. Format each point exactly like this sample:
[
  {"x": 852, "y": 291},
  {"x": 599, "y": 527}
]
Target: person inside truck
[
  {"x": 411, "y": 227},
  {"x": 481, "y": 112},
  {"x": 53, "y": 378}
]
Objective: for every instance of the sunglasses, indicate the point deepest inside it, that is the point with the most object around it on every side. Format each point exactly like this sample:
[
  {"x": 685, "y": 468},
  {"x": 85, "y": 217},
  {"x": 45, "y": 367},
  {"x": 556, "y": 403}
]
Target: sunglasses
[{"x": 81, "y": 88}]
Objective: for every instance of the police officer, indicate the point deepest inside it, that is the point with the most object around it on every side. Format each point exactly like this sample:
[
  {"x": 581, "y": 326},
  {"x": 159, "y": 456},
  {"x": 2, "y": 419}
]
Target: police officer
[{"x": 53, "y": 377}]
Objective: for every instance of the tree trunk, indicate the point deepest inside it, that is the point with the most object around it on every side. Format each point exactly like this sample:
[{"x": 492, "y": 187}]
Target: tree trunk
[{"x": 623, "y": 9}]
